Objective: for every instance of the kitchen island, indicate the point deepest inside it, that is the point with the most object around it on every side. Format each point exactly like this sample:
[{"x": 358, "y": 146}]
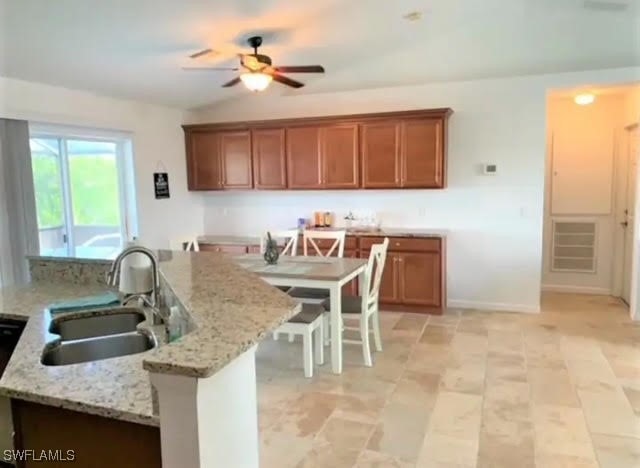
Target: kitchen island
[{"x": 204, "y": 395}]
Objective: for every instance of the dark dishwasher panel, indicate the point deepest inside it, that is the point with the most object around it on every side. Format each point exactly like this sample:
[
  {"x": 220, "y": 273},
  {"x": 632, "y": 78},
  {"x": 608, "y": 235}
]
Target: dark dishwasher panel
[{"x": 10, "y": 331}]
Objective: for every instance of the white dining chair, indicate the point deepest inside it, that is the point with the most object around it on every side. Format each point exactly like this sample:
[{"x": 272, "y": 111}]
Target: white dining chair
[
  {"x": 365, "y": 308},
  {"x": 309, "y": 238},
  {"x": 187, "y": 244},
  {"x": 289, "y": 239},
  {"x": 307, "y": 323}
]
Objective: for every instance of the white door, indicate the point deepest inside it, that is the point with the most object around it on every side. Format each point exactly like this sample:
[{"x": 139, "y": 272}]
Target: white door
[{"x": 629, "y": 223}]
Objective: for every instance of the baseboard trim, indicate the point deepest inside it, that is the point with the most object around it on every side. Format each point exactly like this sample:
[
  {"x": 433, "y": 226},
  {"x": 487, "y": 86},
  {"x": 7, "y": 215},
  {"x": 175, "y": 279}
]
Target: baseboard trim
[
  {"x": 498, "y": 306},
  {"x": 595, "y": 291}
]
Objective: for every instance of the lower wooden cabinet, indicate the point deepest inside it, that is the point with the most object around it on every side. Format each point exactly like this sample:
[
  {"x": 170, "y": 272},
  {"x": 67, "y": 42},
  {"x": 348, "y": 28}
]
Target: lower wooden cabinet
[
  {"x": 389, "y": 288},
  {"x": 83, "y": 440},
  {"x": 420, "y": 278},
  {"x": 414, "y": 274},
  {"x": 230, "y": 249}
]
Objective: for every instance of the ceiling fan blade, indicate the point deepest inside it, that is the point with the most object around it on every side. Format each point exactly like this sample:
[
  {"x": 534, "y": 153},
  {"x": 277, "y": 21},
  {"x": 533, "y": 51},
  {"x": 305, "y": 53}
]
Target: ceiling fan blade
[
  {"x": 209, "y": 69},
  {"x": 286, "y": 81},
  {"x": 201, "y": 53},
  {"x": 231, "y": 83},
  {"x": 300, "y": 69}
]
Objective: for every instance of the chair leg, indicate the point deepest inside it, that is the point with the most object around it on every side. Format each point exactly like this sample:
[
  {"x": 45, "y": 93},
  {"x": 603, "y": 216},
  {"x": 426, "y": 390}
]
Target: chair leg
[
  {"x": 275, "y": 336},
  {"x": 364, "y": 336},
  {"x": 326, "y": 319},
  {"x": 377, "y": 339},
  {"x": 291, "y": 337},
  {"x": 307, "y": 346},
  {"x": 319, "y": 342}
]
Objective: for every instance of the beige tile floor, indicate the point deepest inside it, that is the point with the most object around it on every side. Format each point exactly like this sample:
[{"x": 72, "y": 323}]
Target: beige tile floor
[{"x": 467, "y": 389}]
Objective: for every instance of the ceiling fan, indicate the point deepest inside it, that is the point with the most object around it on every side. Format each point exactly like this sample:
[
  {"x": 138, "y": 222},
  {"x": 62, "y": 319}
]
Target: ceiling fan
[{"x": 258, "y": 70}]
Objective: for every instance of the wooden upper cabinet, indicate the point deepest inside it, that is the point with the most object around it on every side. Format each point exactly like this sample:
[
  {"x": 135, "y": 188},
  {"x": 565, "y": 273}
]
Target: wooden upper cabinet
[
  {"x": 422, "y": 153},
  {"x": 339, "y": 156},
  {"x": 203, "y": 161},
  {"x": 235, "y": 155},
  {"x": 380, "y": 146},
  {"x": 269, "y": 159},
  {"x": 374, "y": 151},
  {"x": 304, "y": 170}
]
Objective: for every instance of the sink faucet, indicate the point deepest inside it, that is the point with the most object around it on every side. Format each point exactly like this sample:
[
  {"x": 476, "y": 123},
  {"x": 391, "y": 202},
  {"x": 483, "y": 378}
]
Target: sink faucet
[{"x": 114, "y": 275}]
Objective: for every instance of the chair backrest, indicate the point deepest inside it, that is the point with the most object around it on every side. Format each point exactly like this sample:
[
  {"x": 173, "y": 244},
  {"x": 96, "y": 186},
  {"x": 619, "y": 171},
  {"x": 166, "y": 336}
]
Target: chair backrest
[
  {"x": 373, "y": 273},
  {"x": 310, "y": 236},
  {"x": 186, "y": 244},
  {"x": 290, "y": 238}
]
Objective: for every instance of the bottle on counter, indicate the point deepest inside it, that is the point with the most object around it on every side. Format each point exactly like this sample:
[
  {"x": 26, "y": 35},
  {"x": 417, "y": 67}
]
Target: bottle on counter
[{"x": 328, "y": 219}]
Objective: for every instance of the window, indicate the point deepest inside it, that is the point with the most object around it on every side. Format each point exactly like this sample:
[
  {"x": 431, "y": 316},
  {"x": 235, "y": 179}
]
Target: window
[{"x": 81, "y": 194}]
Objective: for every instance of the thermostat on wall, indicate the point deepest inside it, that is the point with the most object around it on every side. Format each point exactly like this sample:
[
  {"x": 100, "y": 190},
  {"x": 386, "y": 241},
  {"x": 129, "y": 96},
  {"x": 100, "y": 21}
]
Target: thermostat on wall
[{"x": 490, "y": 169}]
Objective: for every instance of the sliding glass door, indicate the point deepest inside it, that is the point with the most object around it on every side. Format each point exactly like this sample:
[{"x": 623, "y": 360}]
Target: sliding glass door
[{"x": 79, "y": 196}]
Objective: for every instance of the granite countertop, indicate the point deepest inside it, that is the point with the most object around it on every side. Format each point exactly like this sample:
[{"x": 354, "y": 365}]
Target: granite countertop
[
  {"x": 399, "y": 232},
  {"x": 115, "y": 388},
  {"x": 231, "y": 307}
]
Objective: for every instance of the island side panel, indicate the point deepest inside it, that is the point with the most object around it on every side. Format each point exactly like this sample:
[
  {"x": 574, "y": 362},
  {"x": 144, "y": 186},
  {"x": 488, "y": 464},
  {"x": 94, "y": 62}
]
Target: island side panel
[{"x": 210, "y": 422}]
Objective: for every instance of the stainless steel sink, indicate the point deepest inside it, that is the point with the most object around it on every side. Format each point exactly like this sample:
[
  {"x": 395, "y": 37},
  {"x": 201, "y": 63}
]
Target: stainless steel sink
[
  {"x": 112, "y": 322},
  {"x": 95, "y": 349}
]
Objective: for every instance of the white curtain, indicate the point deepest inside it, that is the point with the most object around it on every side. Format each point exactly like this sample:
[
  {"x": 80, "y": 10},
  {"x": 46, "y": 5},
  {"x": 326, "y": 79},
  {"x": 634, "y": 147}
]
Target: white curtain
[{"x": 18, "y": 219}]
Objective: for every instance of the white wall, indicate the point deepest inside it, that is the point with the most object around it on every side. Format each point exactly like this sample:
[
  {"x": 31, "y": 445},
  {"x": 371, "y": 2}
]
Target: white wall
[
  {"x": 494, "y": 222},
  {"x": 157, "y": 138}
]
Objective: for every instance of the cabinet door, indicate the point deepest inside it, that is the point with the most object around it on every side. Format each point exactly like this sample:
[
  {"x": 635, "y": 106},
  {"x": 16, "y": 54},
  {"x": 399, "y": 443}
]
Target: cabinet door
[
  {"x": 420, "y": 278},
  {"x": 390, "y": 285},
  {"x": 269, "y": 160},
  {"x": 235, "y": 153},
  {"x": 380, "y": 146},
  {"x": 339, "y": 156},
  {"x": 203, "y": 161},
  {"x": 303, "y": 158},
  {"x": 422, "y": 153}
]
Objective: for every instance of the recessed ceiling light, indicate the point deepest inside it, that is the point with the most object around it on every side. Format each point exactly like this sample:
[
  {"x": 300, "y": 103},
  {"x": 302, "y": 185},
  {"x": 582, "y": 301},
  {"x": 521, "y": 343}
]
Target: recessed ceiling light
[
  {"x": 584, "y": 99},
  {"x": 413, "y": 16}
]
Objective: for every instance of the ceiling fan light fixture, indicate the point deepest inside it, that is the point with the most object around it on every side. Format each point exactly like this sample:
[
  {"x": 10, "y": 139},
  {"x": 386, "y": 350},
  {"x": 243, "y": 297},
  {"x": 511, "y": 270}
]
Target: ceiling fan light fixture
[{"x": 256, "y": 81}]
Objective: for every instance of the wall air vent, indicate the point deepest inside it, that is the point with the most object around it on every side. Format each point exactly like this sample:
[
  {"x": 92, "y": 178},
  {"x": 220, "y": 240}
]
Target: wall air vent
[{"x": 574, "y": 246}]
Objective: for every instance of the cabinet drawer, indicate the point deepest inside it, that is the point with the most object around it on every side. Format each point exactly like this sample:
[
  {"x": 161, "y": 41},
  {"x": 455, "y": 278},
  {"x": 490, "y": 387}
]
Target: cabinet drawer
[
  {"x": 231, "y": 249},
  {"x": 403, "y": 244}
]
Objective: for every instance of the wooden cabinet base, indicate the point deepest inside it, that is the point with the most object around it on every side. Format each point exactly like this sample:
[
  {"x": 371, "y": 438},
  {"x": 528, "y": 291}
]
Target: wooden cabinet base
[
  {"x": 414, "y": 309},
  {"x": 92, "y": 441}
]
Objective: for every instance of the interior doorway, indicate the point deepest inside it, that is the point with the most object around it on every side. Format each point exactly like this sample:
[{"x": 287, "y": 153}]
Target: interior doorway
[{"x": 629, "y": 200}]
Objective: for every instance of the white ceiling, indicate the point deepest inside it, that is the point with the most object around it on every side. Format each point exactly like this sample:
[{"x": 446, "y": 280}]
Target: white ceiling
[{"x": 135, "y": 48}]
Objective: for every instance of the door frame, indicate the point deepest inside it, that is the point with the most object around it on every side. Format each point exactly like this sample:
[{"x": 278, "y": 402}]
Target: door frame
[{"x": 634, "y": 305}]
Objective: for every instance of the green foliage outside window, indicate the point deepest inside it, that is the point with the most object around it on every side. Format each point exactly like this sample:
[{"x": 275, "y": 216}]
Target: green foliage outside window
[{"x": 94, "y": 190}]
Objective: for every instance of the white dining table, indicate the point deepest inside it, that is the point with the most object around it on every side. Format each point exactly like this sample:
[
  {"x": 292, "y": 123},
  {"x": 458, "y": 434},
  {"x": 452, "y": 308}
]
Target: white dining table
[{"x": 329, "y": 273}]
